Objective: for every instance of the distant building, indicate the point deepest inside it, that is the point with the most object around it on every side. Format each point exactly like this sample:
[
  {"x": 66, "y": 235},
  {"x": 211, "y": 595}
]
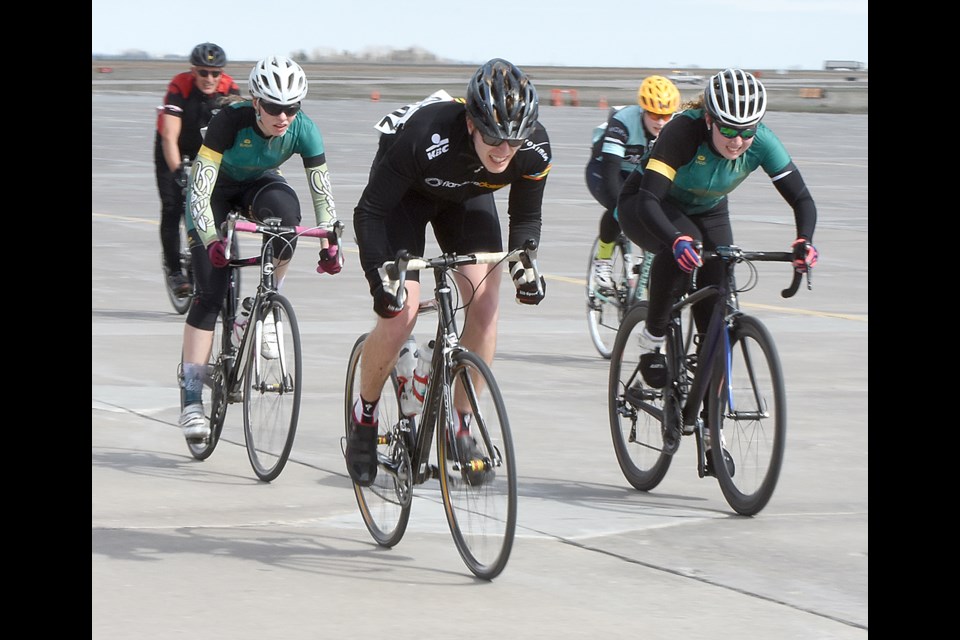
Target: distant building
[{"x": 843, "y": 65}]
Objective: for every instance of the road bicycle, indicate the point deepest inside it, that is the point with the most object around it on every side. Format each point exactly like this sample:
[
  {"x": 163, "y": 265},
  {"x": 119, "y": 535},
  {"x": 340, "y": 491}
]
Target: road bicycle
[
  {"x": 607, "y": 307},
  {"x": 480, "y": 494},
  {"x": 180, "y": 301},
  {"x": 269, "y": 385},
  {"x": 728, "y": 392}
]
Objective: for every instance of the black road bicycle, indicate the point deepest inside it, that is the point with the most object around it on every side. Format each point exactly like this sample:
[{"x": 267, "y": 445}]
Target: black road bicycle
[
  {"x": 241, "y": 370},
  {"x": 479, "y": 494},
  {"x": 728, "y": 392},
  {"x": 180, "y": 301}
]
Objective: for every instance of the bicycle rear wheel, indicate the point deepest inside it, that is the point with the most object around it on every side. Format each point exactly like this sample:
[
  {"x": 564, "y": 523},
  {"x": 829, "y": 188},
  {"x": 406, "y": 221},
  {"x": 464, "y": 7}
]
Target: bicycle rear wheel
[
  {"x": 748, "y": 419},
  {"x": 607, "y": 307},
  {"x": 384, "y": 505},
  {"x": 636, "y": 411},
  {"x": 272, "y": 387},
  {"x": 180, "y": 302},
  {"x": 214, "y": 389},
  {"x": 479, "y": 497}
]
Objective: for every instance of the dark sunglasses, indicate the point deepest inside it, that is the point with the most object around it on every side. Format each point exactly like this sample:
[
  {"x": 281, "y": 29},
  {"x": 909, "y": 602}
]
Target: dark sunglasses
[
  {"x": 204, "y": 73},
  {"x": 277, "y": 109},
  {"x": 730, "y": 132},
  {"x": 496, "y": 142}
]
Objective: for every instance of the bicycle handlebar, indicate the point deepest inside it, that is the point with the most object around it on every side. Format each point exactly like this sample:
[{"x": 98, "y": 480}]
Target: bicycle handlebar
[
  {"x": 737, "y": 254},
  {"x": 272, "y": 226},
  {"x": 396, "y": 270}
]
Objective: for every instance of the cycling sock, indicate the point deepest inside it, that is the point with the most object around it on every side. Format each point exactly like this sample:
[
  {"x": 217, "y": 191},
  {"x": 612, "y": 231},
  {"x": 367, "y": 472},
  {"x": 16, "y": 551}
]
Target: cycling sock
[
  {"x": 193, "y": 382},
  {"x": 605, "y": 250},
  {"x": 465, "y": 420},
  {"x": 365, "y": 412}
]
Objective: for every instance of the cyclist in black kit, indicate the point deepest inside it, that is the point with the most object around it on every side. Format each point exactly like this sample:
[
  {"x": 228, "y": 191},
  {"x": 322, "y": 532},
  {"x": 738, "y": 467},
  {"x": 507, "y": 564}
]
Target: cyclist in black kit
[
  {"x": 439, "y": 162},
  {"x": 190, "y": 102}
]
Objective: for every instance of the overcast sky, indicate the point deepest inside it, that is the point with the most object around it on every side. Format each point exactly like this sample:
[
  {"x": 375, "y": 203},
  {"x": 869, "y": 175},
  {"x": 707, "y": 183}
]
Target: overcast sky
[{"x": 753, "y": 34}]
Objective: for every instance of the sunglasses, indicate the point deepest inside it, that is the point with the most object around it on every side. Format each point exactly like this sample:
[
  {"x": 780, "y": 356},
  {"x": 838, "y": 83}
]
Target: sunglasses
[
  {"x": 496, "y": 142},
  {"x": 204, "y": 73},
  {"x": 659, "y": 116},
  {"x": 730, "y": 132},
  {"x": 277, "y": 109}
]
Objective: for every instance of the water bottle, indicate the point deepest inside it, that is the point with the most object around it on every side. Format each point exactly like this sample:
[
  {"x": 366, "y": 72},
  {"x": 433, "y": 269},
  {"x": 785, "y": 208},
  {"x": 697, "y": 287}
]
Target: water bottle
[
  {"x": 240, "y": 322},
  {"x": 422, "y": 373},
  {"x": 406, "y": 364}
]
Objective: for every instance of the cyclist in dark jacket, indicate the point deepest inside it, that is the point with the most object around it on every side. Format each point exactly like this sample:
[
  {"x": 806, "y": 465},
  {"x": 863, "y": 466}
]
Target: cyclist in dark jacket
[
  {"x": 439, "y": 162},
  {"x": 191, "y": 100}
]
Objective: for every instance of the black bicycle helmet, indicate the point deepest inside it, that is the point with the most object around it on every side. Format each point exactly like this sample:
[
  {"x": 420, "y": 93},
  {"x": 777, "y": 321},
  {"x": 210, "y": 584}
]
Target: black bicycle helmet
[
  {"x": 502, "y": 101},
  {"x": 735, "y": 98},
  {"x": 208, "y": 55}
]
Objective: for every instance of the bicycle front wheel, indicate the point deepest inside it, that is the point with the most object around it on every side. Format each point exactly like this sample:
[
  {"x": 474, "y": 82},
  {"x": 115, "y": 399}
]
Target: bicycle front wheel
[
  {"x": 606, "y": 307},
  {"x": 272, "y": 387},
  {"x": 479, "y": 488},
  {"x": 748, "y": 419},
  {"x": 384, "y": 505},
  {"x": 636, "y": 410}
]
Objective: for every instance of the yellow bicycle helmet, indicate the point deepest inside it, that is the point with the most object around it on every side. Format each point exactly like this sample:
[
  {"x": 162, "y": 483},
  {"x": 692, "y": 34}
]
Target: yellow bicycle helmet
[{"x": 658, "y": 95}]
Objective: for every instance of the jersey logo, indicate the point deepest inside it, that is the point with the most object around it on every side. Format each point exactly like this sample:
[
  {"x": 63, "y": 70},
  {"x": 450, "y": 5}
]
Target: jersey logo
[
  {"x": 393, "y": 121},
  {"x": 439, "y": 146}
]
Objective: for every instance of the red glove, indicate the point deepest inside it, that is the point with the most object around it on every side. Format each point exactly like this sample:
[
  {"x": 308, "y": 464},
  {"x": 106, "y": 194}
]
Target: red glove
[
  {"x": 331, "y": 260},
  {"x": 804, "y": 255},
  {"x": 686, "y": 254},
  {"x": 217, "y": 250}
]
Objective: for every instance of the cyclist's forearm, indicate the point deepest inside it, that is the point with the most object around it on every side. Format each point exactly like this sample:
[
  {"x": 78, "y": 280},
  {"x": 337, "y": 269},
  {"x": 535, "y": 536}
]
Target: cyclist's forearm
[
  {"x": 202, "y": 180},
  {"x": 322, "y": 195}
]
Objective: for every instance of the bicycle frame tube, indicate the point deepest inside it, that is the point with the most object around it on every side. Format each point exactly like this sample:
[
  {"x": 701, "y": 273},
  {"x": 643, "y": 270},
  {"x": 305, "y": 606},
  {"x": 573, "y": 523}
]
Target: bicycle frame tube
[
  {"x": 264, "y": 289},
  {"x": 707, "y": 350},
  {"x": 446, "y": 339}
]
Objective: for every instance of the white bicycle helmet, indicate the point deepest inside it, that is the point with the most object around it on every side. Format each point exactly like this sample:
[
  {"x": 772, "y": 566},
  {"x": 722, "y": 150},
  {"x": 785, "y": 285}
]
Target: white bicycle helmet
[
  {"x": 735, "y": 98},
  {"x": 279, "y": 80}
]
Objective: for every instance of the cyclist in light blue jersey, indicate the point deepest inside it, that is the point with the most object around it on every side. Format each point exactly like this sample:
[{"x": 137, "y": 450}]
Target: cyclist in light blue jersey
[{"x": 617, "y": 150}]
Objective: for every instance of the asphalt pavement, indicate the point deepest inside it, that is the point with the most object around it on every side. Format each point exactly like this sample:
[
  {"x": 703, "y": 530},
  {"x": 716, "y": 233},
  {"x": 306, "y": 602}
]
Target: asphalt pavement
[{"x": 190, "y": 549}]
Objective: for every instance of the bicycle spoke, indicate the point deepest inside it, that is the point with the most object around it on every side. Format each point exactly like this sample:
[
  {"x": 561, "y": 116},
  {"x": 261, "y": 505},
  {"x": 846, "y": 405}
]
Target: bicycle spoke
[
  {"x": 747, "y": 420},
  {"x": 480, "y": 493},
  {"x": 635, "y": 411},
  {"x": 272, "y": 391},
  {"x": 384, "y": 505}
]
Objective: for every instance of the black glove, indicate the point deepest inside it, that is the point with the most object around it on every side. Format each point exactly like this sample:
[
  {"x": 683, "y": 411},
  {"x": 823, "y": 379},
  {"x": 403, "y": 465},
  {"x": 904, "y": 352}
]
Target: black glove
[
  {"x": 180, "y": 176},
  {"x": 527, "y": 290},
  {"x": 385, "y": 303}
]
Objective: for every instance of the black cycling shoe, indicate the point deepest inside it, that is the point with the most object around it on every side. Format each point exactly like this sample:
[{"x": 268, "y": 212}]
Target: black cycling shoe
[
  {"x": 474, "y": 466},
  {"x": 653, "y": 368},
  {"x": 727, "y": 461},
  {"x": 361, "y": 453},
  {"x": 179, "y": 284}
]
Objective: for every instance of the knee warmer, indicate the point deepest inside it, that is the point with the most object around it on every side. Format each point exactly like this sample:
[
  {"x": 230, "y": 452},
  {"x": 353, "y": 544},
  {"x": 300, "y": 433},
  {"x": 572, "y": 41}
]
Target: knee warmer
[{"x": 278, "y": 200}]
